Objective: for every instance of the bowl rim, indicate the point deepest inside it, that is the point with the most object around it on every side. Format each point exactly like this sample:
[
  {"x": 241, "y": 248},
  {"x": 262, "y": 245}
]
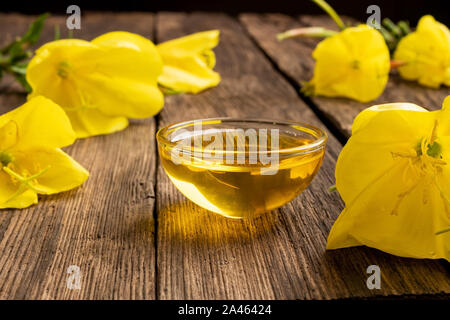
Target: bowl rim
[{"x": 318, "y": 143}]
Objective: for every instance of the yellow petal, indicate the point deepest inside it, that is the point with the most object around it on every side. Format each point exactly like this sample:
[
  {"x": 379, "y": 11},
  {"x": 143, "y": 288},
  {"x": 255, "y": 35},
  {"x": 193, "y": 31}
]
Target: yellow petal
[
  {"x": 410, "y": 232},
  {"x": 370, "y": 112},
  {"x": 100, "y": 83},
  {"x": 378, "y": 138},
  {"x": 189, "y": 45},
  {"x": 187, "y": 75},
  {"x": 446, "y": 103},
  {"x": 188, "y": 62},
  {"x": 353, "y": 63},
  {"x": 8, "y": 134},
  {"x": 121, "y": 96},
  {"x": 444, "y": 121},
  {"x": 426, "y": 53},
  {"x": 443, "y": 134},
  {"x": 8, "y": 189},
  {"x": 130, "y": 89},
  {"x": 86, "y": 121},
  {"x": 40, "y": 122},
  {"x": 129, "y": 55},
  {"x": 61, "y": 172},
  {"x": 59, "y": 61},
  {"x": 397, "y": 196},
  {"x": 92, "y": 122}
]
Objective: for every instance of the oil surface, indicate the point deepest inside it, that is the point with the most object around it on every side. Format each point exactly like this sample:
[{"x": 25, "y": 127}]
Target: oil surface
[{"x": 240, "y": 190}]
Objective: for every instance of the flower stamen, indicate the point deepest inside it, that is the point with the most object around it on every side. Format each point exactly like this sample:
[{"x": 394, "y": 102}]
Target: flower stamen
[
  {"x": 433, "y": 136},
  {"x": 25, "y": 182},
  {"x": 400, "y": 198},
  {"x": 425, "y": 161},
  {"x": 6, "y": 158},
  {"x": 63, "y": 69}
]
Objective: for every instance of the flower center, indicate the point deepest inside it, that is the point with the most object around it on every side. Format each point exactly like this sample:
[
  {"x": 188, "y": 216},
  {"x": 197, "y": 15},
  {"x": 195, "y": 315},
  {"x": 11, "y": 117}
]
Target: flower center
[
  {"x": 427, "y": 164},
  {"x": 5, "y": 158},
  {"x": 63, "y": 69},
  {"x": 24, "y": 182},
  {"x": 435, "y": 150}
]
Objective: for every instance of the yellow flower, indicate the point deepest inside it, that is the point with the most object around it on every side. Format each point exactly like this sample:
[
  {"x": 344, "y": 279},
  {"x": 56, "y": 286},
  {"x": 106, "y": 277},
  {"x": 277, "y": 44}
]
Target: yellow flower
[
  {"x": 394, "y": 177},
  {"x": 188, "y": 62},
  {"x": 99, "y": 83},
  {"x": 31, "y": 161},
  {"x": 353, "y": 63},
  {"x": 426, "y": 53}
]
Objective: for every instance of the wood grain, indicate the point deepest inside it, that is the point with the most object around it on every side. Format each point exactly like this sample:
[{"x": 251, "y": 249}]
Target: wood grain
[
  {"x": 294, "y": 58},
  {"x": 201, "y": 255},
  {"x": 106, "y": 227}
]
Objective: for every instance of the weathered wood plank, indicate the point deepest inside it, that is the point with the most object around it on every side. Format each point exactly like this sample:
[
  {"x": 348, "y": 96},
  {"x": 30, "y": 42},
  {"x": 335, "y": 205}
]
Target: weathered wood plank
[
  {"x": 294, "y": 58},
  {"x": 106, "y": 227},
  {"x": 280, "y": 255}
]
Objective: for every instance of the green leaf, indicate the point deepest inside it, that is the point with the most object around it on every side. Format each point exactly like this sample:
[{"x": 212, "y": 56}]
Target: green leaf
[
  {"x": 19, "y": 69},
  {"x": 392, "y": 28},
  {"x": 23, "y": 81},
  {"x": 434, "y": 150},
  {"x": 404, "y": 26},
  {"x": 17, "y": 53},
  {"x": 13, "y": 54},
  {"x": 35, "y": 29}
]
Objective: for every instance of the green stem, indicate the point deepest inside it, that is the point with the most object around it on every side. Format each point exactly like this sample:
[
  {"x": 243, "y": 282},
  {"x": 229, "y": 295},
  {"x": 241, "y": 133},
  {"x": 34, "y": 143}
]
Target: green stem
[
  {"x": 392, "y": 27},
  {"x": 391, "y": 41},
  {"x": 330, "y": 11},
  {"x": 386, "y": 35},
  {"x": 333, "y": 188},
  {"x": 57, "y": 32},
  {"x": 404, "y": 26},
  {"x": 24, "y": 181},
  {"x": 314, "y": 32}
]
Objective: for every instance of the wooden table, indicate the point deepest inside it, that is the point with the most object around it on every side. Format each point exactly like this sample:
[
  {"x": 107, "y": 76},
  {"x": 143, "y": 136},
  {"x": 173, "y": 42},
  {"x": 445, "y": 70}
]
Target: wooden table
[{"x": 134, "y": 236}]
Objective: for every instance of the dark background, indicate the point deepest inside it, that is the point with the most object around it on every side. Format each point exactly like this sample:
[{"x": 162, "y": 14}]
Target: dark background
[{"x": 396, "y": 10}]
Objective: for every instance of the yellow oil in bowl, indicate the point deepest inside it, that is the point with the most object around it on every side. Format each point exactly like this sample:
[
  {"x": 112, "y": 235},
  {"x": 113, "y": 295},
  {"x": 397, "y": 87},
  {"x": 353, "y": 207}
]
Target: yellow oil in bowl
[{"x": 241, "y": 168}]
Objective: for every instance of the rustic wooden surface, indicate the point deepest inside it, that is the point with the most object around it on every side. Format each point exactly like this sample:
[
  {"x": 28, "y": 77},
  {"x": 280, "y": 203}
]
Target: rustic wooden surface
[{"x": 107, "y": 227}]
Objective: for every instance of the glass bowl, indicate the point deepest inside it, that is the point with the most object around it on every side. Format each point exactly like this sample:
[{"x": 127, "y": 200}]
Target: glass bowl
[{"x": 241, "y": 168}]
